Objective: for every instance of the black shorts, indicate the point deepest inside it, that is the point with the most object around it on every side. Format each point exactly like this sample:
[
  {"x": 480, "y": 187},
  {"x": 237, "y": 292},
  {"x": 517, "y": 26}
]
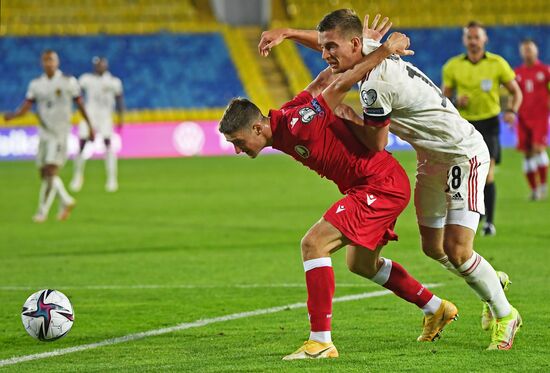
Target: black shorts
[{"x": 490, "y": 130}]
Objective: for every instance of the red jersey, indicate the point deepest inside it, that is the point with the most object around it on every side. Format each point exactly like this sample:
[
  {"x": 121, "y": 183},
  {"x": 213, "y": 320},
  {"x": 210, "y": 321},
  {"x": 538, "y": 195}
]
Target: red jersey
[
  {"x": 307, "y": 129},
  {"x": 534, "y": 83}
]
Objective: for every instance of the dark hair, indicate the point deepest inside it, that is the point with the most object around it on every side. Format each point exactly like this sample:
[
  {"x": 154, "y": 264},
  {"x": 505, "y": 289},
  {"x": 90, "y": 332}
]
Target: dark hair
[
  {"x": 475, "y": 24},
  {"x": 239, "y": 113},
  {"x": 528, "y": 41},
  {"x": 345, "y": 20}
]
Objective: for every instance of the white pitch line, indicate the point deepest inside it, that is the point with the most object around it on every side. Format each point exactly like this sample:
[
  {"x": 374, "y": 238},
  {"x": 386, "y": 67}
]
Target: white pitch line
[
  {"x": 183, "y": 326},
  {"x": 174, "y": 286}
]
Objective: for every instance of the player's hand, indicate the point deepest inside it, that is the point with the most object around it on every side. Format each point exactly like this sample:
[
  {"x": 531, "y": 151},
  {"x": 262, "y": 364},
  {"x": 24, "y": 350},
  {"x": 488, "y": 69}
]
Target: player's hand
[
  {"x": 510, "y": 118},
  {"x": 270, "y": 39},
  {"x": 462, "y": 102},
  {"x": 376, "y": 31},
  {"x": 399, "y": 43},
  {"x": 92, "y": 135}
]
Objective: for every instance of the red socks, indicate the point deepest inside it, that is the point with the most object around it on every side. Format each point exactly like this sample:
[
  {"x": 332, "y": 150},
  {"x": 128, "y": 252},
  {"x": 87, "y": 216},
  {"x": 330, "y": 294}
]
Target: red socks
[{"x": 320, "y": 290}]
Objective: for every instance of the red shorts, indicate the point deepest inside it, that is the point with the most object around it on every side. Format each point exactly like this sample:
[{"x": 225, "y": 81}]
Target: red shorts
[
  {"x": 532, "y": 132},
  {"x": 368, "y": 213}
]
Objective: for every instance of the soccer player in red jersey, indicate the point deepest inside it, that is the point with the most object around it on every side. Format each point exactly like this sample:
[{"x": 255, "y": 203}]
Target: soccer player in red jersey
[
  {"x": 376, "y": 191},
  {"x": 534, "y": 80}
]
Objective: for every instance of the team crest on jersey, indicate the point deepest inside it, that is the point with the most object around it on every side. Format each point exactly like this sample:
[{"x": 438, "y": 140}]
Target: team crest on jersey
[
  {"x": 369, "y": 97},
  {"x": 306, "y": 114},
  {"x": 58, "y": 92},
  {"x": 302, "y": 151},
  {"x": 540, "y": 76}
]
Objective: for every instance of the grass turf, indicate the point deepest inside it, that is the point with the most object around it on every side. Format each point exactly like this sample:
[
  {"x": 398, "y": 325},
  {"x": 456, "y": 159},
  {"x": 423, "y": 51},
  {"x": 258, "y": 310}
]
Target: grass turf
[{"x": 195, "y": 230}]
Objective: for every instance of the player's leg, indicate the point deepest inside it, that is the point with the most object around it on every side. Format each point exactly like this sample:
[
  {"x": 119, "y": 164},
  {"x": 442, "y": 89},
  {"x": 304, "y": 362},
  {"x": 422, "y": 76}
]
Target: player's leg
[
  {"x": 79, "y": 162},
  {"x": 46, "y": 194},
  {"x": 110, "y": 166},
  {"x": 530, "y": 166},
  {"x": 56, "y": 159},
  {"x": 430, "y": 203},
  {"x": 317, "y": 245},
  {"x": 460, "y": 229},
  {"x": 391, "y": 275},
  {"x": 541, "y": 157}
]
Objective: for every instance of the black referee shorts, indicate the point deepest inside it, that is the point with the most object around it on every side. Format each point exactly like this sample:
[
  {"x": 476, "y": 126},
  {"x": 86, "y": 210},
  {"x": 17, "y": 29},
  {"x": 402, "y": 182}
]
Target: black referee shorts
[{"x": 490, "y": 130}]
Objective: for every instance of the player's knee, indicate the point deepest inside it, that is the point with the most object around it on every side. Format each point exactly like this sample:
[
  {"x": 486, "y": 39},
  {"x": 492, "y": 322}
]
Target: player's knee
[
  {"x": 310, "y": 247},
  {"x": 367, "y": 270},
  {"x": 432, "y": 251}
]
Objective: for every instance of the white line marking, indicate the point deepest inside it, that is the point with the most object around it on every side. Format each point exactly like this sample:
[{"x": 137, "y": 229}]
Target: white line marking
[
  {"x": 174, "y": 286},
  {"x": 183, "y": 326}
]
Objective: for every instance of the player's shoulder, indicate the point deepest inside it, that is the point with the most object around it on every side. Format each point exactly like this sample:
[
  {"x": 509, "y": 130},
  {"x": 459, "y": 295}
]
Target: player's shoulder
[
  {"x": 493, "y": 57},
  {"x": 455, "y": 61}
]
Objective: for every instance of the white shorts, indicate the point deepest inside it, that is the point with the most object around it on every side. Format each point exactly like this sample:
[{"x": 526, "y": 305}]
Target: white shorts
[
  {"x": 51, "y": 151},
  {"x": 451, "y": 193},
  {"x": 101, "y": 126}
]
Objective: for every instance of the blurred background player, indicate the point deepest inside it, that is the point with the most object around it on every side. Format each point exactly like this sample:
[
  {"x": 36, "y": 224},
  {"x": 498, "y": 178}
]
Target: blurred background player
[
  {"x": 103, "y": 93},
  {"x": 53, "y": 92},
  {"x": 474, "y": 79},
  {"x": 533, "y": 78}
]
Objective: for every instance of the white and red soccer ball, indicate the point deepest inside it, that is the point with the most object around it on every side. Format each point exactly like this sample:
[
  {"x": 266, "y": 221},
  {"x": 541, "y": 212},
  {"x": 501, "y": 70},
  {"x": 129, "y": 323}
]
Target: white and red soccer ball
[{"x": 47, "y": 315}]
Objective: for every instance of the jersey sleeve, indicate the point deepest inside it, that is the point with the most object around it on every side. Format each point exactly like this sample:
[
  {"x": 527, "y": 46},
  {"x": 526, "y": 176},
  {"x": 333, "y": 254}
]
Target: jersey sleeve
[
  {"x": 118, "y": 89},
  {"x": 302, "y": 98},
  {"x": 310, "y": 118},
  {"x": 448, "y": 76},
  {"x": 376, "y": 100},
  {"x": 507, "y": 74},
  {"x": 74, "y": 87},
  {"x": 31, "y": 91}
]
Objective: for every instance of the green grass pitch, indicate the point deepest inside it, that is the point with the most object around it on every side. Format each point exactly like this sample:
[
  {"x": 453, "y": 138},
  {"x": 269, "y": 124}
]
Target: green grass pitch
[{"x": 199, "y": 238}]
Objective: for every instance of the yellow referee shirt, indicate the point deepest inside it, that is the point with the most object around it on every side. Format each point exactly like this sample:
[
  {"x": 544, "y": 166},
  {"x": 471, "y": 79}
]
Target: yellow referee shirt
[{"x": 479, "y": 81}]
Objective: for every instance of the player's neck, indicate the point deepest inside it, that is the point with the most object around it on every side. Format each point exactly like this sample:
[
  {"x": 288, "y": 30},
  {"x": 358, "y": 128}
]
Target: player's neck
[
  {"x": 475, "y": 57},
  {"x": 529, "y": 63}
]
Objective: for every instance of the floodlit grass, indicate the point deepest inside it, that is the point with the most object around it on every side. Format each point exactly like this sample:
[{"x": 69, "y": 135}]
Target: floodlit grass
[{"x": 198, "y": 238}]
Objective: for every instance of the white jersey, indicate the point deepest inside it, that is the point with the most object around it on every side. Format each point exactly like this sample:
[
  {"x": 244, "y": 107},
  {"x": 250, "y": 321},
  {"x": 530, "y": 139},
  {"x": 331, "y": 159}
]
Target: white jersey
[
  {"x": 54, "y": 101},
  {"x": 419, "y": 112},
  {"x": 101, "y": 91}
]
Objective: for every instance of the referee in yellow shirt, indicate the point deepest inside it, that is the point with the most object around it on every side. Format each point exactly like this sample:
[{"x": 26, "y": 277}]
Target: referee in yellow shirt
[{"x": 472, "y": 80}]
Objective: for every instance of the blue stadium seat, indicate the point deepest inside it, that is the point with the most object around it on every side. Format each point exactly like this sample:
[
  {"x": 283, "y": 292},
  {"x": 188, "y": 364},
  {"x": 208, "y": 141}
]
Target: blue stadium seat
[
  {"x": 158, "y": 71},
  {"x": 434, "y": 46}
]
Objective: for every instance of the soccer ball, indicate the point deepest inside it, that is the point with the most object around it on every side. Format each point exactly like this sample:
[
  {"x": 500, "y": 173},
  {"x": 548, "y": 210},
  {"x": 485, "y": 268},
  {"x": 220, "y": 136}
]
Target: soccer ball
[{"x": 47, "y": 315}]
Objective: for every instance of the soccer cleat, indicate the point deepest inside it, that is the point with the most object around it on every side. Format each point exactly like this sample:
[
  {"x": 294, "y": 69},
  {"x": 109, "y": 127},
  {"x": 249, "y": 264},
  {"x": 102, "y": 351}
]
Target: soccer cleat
[
  {"x": 487, "y": 320},
  {"x": 39, "y": 218},
  {"x": 313, "y": 350},
  {"x": 505, "y": 330},
  {"x": 66, "y": 210},
  {"x": 434, "y": 324},
  {"x": 76, "y": 183},
  {"x": 111, "y": 186},
  {"x": 488, "y": 229}
]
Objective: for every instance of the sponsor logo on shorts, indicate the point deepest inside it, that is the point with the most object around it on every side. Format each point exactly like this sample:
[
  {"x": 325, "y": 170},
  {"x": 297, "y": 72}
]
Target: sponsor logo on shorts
[
  {"x": 370, "y": 199},
  {"x": 307, "y": 114},
  {"x": 457, "y": 197},
  {"x": 302, "y": 151},
  {"x": 340, "y": 208}
]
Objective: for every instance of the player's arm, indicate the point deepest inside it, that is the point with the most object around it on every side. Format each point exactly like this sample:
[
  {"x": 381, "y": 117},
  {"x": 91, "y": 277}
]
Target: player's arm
[
  {"x": 373, "y": 137},
  {"x": 272, "y": 38},
  {"x": 80, "y": 105},
  {"x": 514, "y": 103},
  {"x": 21, "y": 110},
  {"x": 336, "y": 91},
  {"x": 120, "y": 108}
]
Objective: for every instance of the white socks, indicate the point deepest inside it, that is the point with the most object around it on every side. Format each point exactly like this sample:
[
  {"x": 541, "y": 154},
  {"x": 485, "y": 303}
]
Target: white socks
[
  {"x": 111, "y": 165},
  {"x": 432, "y": 306},
  {"x": 542, "y": 159},
  {"x": 46, "y": 196},
  {"x": 323, "y": 337},
  {"x": 58, "y": 185},
  {"x": 446, "y": 263},
  {"x": 482, "y": 278}
]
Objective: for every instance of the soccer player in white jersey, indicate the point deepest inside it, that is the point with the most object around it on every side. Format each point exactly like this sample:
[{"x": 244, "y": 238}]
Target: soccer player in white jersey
[
  {"x": 103, "y": 93},
  {"x": 54, "y": 93},
  {"x": 453, "y": 159}
]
